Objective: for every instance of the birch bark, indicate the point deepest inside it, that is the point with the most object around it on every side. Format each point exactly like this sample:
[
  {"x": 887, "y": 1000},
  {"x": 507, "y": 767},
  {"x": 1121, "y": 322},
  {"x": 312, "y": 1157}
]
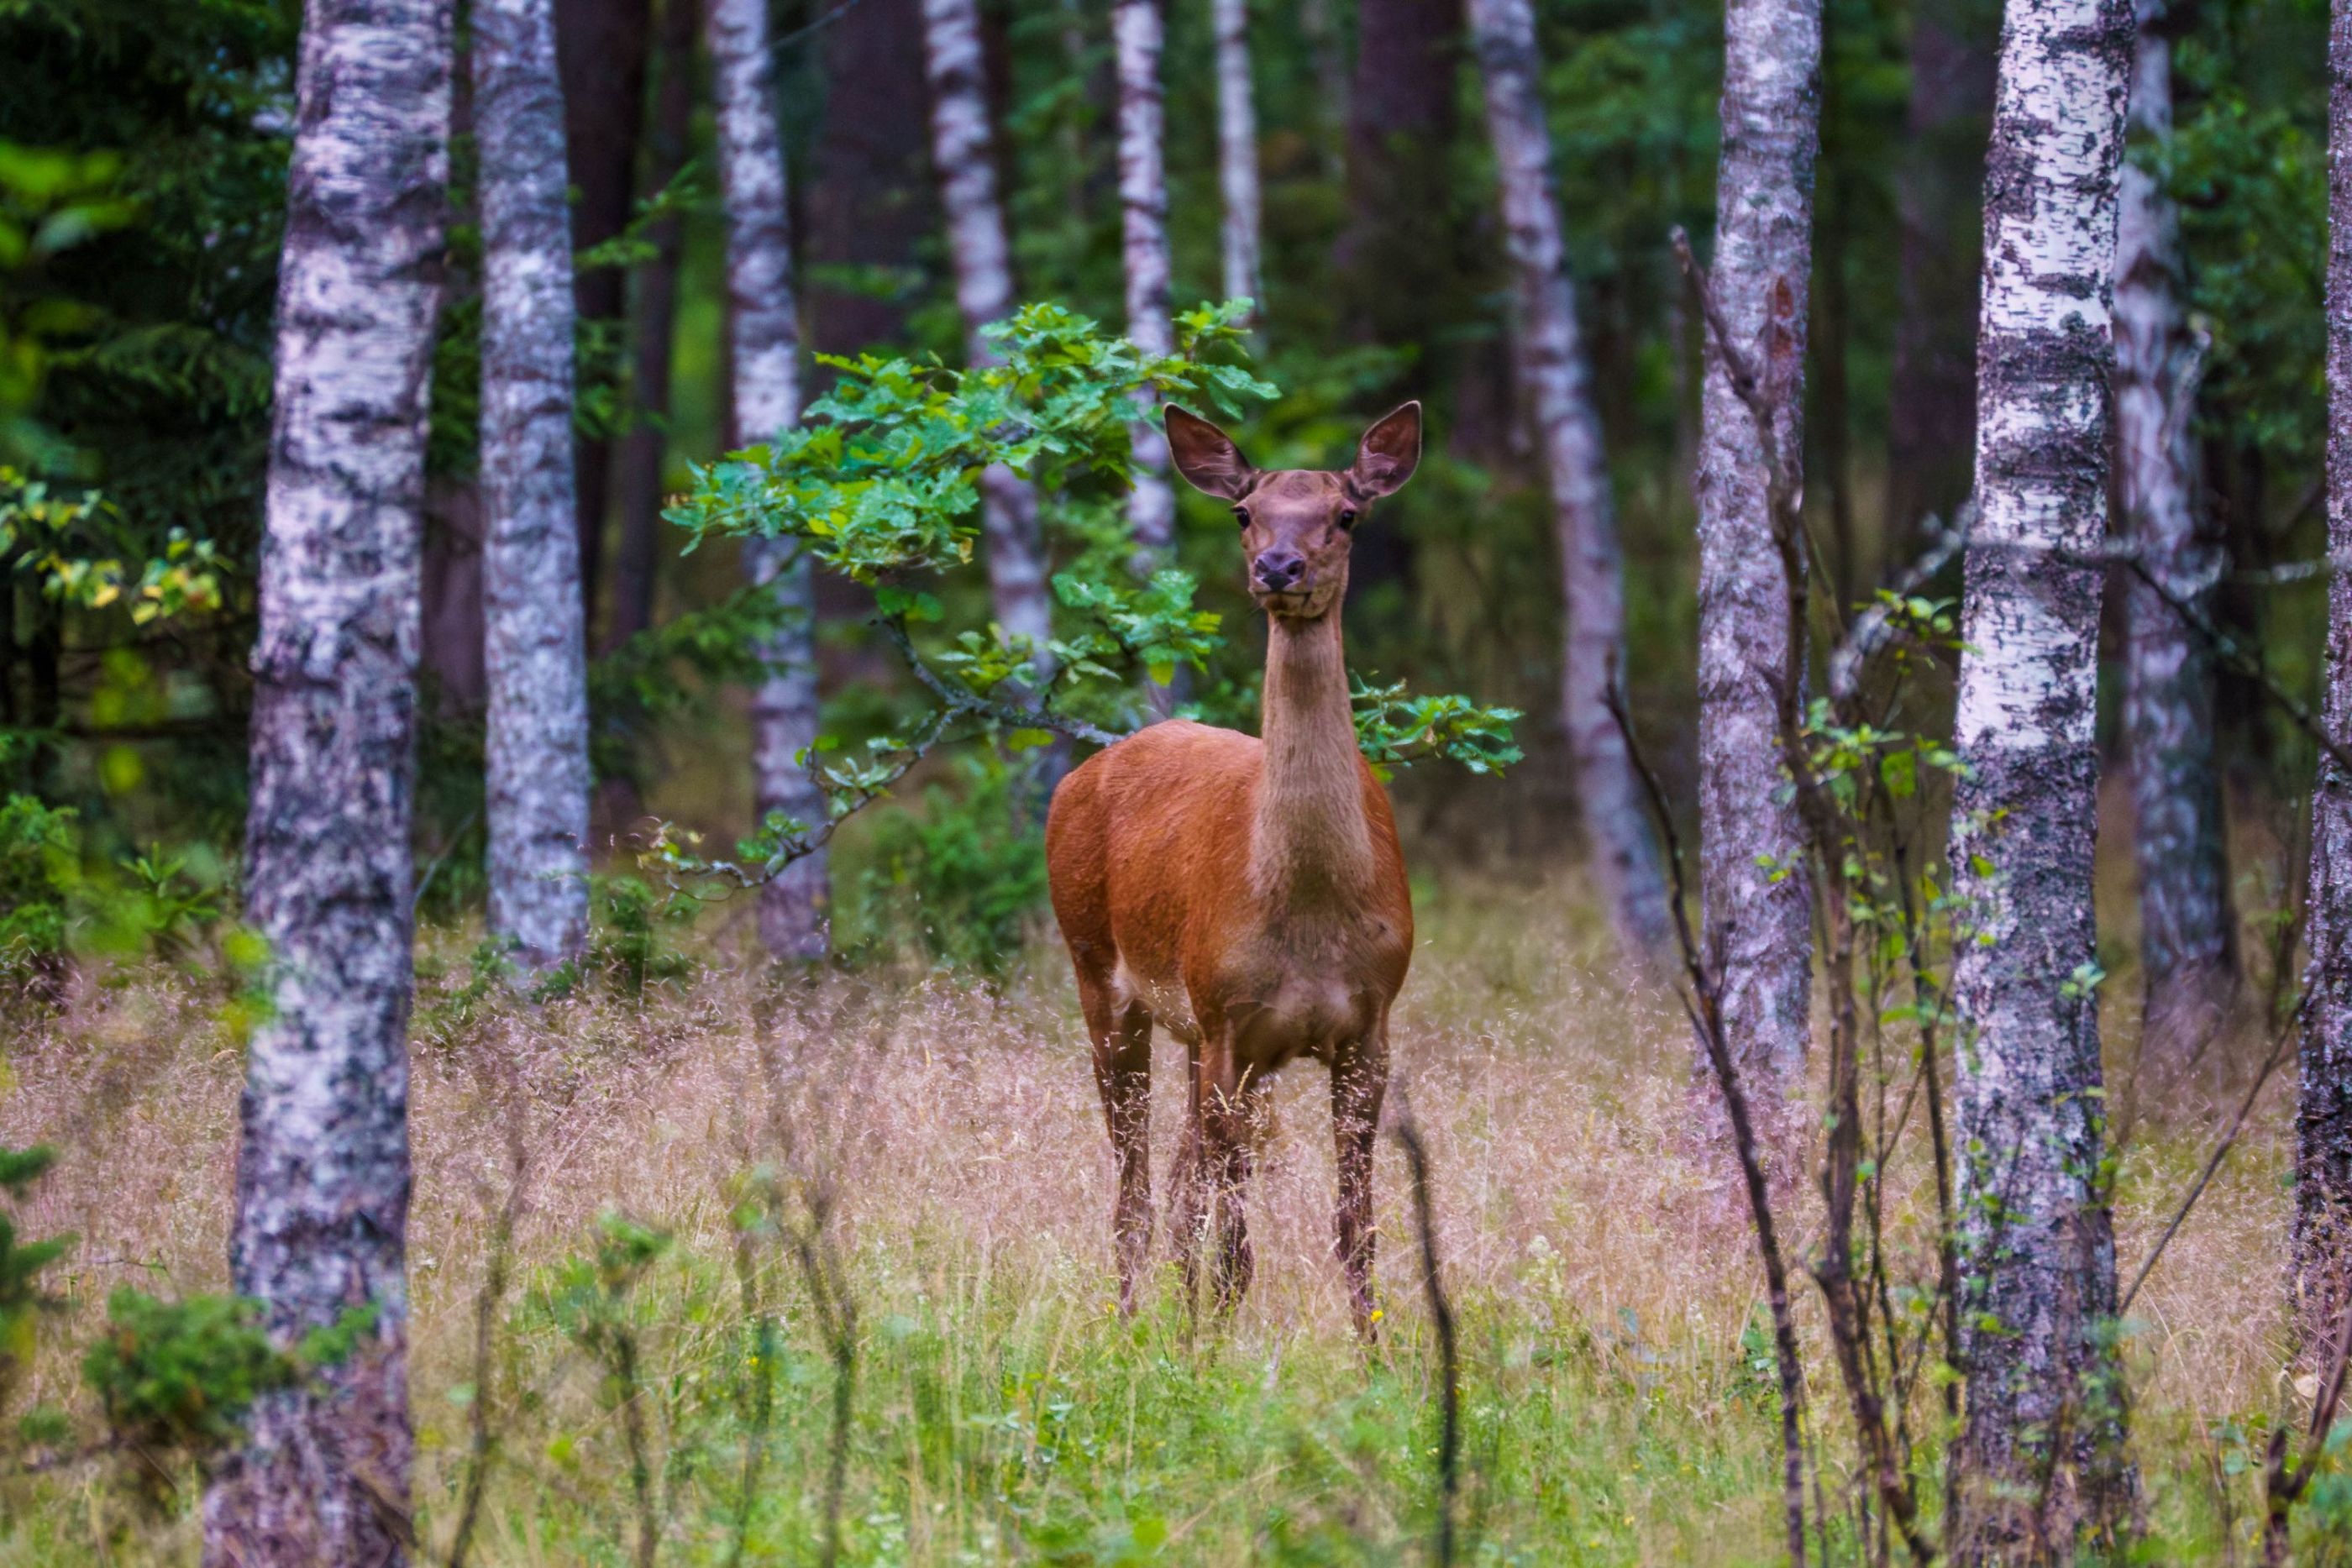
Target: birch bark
[
  {"x": 963, "y": 147},
  {"x": 764, "y": 339},
  {"x": 1622, "y": 858},
  {"x": 2323, "y": 1120},
  {"x": 1752, "y": 884},
  {"x": 1237, "y": 180},
  {"x": 323, "y": 1181},
  {"x": 536, "y": 653},
  {"x": 2037, "y": 1244},
  {"x": 1137, "y": 39},
  {"x": 2186, "y": 951}
]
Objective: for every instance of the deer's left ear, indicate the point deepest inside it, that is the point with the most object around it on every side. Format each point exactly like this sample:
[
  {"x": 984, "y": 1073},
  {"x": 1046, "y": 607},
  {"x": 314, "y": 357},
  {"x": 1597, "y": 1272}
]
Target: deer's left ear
[
  {"x": 1207, "y": 456},
  {"x": 1388, "y": 454}
]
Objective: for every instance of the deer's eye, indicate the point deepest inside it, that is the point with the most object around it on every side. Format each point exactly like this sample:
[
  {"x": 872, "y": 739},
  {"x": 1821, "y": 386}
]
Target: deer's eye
[
  {"x": 1240, "y": 515},
  {"x": 1347, "y": 517}
]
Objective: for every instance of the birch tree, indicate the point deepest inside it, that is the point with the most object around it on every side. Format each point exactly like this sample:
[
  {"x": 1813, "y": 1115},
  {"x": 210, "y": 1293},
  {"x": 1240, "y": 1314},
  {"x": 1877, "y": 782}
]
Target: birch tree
[
  {"x": 1621, "y": 855},
  {"x": 2037, "y": 1244},
  {"x": 2323, "y": 1120},
  {"x": 963, "y": 149},
  {"x": 1138, "y": 39},
  {"x": 764, "y": 339},
  {"x": 322, "y": 1177},
  {"x": 536, "y": 654},
  {"x": 1751, "y": 877},
  {"x": 2186, "y": 951},
  {"x": 1237, "y": 180}
]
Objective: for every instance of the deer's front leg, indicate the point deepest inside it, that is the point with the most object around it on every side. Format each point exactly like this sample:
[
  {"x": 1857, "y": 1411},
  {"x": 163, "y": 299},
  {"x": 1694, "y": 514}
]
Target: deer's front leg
[
  {"x": 1223, "y": 1107},
  {"x": 1360, "y": 1077}
]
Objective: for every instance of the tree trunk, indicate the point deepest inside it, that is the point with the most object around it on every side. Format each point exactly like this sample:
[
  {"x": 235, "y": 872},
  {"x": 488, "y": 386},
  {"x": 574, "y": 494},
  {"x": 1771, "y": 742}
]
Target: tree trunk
[
  {"x": 1396, "y": 257},
  {"x": 536, "y": 651},
  {"x": 1237, "y": 180},
  {"x": 1137, "y": 36},
  {"x": 653, "y": 320},
  {"x": 601, "y": 51},
  {"x": 764, "y": 341},
  {"x": 1938, "y": 176},
  {"x": 323, "y": 1181},
  {"x": 1618, "y": 846},
  {"x": 867, "y": 205},
  {"x": 963, "y": 149},
  {"x": 1752, "y": 882},
  {"x": 2186, "y": 949},
  {"x": 2037, "y": 1243},
  {"x": 2323, "y": 1120}
]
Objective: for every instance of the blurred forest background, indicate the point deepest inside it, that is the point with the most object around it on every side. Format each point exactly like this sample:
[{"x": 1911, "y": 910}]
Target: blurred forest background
[{"x": 142, "y": 155}]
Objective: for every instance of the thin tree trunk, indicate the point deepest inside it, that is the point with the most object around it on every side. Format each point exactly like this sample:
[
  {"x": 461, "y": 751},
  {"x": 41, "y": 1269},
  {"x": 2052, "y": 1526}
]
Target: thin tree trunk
[
  {"x": 536, "y": 656},
  {"x": 2186, "y": 950},
  {"x": 1237, "y": 180},
  {"x": 1138, "y": 37},
  {"x": 1618, "y": 846},
  {"x": 644, "y": 449},
  {"x": 322, "y": 1180},
  {"x": 1938, "y": 177},
  {"x": 1752, "y": 883},
  {"x": 764, "y": 340},
  {"x": 1398, "y": 271},
  {"x": 2044, "y": 1430},
  {"x": 602, "y": 55},
  {"x": 2323, "y": 1120},
  {"x": 867, "y": 208},
  {"x": 963, "y": 148}
]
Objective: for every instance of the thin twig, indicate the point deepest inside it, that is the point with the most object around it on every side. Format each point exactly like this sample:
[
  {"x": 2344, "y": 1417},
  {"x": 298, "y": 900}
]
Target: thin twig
[{"x": 1441, "y": 1315}]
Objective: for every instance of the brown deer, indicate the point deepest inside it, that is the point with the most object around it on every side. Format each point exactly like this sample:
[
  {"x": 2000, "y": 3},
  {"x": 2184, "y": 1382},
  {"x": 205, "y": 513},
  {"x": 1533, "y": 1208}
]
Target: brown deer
[{"x": 1246, "y": 893}]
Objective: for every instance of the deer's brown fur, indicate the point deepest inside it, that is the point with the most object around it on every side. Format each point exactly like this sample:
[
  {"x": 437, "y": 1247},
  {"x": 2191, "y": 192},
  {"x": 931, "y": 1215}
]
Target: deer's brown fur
[{"x": 1247, "y": 894}]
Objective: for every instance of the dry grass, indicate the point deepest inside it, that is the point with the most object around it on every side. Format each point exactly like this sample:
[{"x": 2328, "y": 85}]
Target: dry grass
[{"x": 1600, "y": 1253}]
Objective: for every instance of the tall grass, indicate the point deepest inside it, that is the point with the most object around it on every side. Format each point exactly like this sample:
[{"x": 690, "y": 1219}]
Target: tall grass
[{"x": 1617, "y": 1397}]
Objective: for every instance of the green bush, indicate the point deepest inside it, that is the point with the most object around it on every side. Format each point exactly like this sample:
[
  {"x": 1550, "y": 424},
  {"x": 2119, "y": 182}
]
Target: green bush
[{"x": 966, "y": 872}]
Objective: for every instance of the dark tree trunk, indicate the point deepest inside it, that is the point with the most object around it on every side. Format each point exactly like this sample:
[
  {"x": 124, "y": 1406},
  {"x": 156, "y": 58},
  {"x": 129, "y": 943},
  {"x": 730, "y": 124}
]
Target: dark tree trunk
[
  {"x": 1752, "y": 883},
  {"x": 868, "y": 205},
  {"x": 601, "y": 48},
  {"x": 1396, "y": 256},
  {"x": 536, "y": 648},
  {"x": 764, "y": 345},
  {"x": 323, "y": 1181},
  {"x": 2042, "y": 1440},
  {"x": 2323, "y": 1122},
  {"x": 652, "y": 321},
  {"x": 1938, "y": 178}
]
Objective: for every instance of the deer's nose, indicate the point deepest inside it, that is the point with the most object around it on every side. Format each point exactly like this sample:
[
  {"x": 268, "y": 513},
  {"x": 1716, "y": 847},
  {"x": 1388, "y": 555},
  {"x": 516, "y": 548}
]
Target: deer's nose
[{"x": 1277, "y": 568}]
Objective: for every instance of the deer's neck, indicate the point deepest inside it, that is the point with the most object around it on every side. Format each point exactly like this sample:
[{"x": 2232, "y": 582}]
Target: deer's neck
[{"x": 1312, "y": 842}]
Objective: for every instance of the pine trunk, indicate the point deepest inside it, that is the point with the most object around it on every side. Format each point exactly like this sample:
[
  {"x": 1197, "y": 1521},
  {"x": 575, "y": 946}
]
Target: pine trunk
[
  {"x": 963, "y": 147},
  {"x": 2323, "y": 1120},
  {"x": 536, "y": 652},
  {"x": 653, "y": 320},
  {"x": 323, "y": 1181},
  {"x": 1618, "y": 844},
  {"x": 1752, "y": 886},
  {"x": 2041, "y": 1449},
  {"x": 763, "y": 340},
  {"x": 1237, "y": 180},
  {"x": 1137, "y": 37},
  {"x": 2186, "y": 951}
]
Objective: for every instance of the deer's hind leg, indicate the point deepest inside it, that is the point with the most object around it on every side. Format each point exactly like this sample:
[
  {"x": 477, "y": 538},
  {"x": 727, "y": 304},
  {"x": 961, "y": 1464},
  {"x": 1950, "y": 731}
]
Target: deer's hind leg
[{"x": 1121, "y": 1031}]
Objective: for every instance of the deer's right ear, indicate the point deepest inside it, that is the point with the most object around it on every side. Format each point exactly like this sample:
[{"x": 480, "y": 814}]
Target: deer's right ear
[{"x": 1207, "y": 456}]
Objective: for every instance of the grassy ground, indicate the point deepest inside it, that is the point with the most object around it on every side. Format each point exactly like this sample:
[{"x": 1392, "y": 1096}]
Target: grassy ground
[{"x": 1001, "y": 1410}]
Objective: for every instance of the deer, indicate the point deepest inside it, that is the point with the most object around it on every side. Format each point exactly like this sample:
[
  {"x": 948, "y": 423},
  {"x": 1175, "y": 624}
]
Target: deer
[{"x": 1246, "y": 893}]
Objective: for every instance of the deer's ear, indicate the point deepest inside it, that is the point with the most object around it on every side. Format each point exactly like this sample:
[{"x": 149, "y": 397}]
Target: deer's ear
[
  {"x": 1389, "y": 453},
  {"x": 1207, "y": 456}
]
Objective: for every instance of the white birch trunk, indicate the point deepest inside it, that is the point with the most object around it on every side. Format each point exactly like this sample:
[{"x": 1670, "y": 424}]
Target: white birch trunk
[
  {"x": 1237, "y": 180},
  {"x": 2186, "y": 951},
  {"x": 1137, "y": 39},
  {"x": 763, "y": 337},
  {"x": 963, "y": 149},
  {"x": 2037, "y": 1244},
  {"x": 323, "y": 1181},
  {"x": 1752, "y": 882},
  {"x": 1622, "y": 856},
  {"x": 2323, "y": 1120},
  {"x": 536, "y": 651}
]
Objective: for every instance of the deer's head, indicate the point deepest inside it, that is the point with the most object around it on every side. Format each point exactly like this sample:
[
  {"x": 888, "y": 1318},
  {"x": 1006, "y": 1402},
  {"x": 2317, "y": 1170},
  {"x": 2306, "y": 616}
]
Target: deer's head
[{"x": 1297, "y": 523}]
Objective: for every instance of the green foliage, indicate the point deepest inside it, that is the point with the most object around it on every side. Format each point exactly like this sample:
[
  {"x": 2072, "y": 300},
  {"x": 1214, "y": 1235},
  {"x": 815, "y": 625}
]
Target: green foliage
[
  {"x": 72, "y": 545},
  {"x": 628, "y": 939},
  {"x": 41, "y": 867},
  {"x": 22, "y": 1298},
  {"x": 964, "y": 873},
  {"x": 1396, "y": 728}
]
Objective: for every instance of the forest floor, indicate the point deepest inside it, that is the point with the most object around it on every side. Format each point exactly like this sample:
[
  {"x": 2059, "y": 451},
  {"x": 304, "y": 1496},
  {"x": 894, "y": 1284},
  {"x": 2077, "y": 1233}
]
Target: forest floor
[{"x": 1616, "y": 1385}]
